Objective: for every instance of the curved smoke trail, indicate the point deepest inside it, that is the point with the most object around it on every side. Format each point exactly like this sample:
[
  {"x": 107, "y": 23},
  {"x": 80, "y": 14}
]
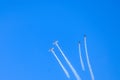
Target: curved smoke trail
[
  {"x": 81, "y": 60},
  {"x": 88, "y": 62}
]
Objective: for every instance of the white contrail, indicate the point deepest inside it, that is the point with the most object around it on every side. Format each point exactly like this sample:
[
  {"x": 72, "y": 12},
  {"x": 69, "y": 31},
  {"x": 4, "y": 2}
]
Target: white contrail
[
  {"x": 88, "y": 62},
  {"x": 80, "y": 54},
  {"x": 68, "y": 62},
  {"x": 64, "y": 69}
]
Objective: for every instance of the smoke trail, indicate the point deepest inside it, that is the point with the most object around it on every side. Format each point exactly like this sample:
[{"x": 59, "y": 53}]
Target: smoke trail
[
  {"x": 64, "y": 69},
  {"x": 80, "y": 54},
  {"x": 88, "y": 62},
  {"x": 68, "y": 62}
]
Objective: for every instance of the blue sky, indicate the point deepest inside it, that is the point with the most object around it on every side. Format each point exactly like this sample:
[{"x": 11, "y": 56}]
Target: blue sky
[{"x": 29, "y": 27}]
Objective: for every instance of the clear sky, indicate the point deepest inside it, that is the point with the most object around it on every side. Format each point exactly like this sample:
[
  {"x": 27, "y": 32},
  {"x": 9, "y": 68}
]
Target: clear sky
[{"x": 28, "y": 29}]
